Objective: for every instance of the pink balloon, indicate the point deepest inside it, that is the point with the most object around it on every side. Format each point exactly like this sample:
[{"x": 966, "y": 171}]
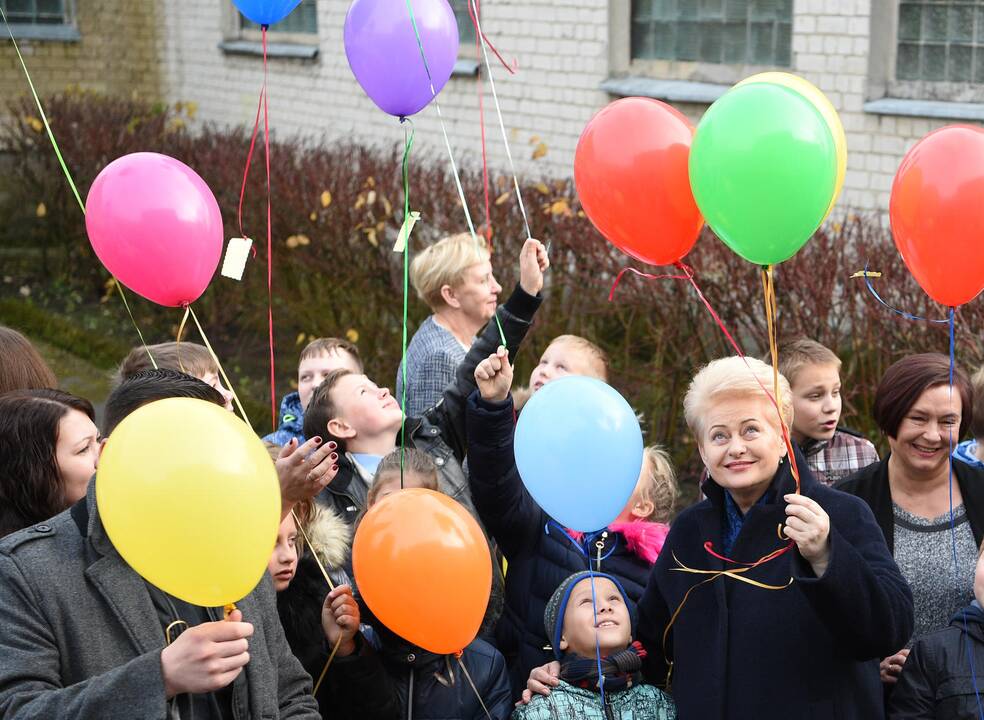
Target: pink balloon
[{"x": 156, "y": 227}]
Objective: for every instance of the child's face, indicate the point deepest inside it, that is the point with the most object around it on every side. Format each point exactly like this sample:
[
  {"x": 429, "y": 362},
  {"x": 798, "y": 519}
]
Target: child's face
[
  {"x": 364, "y": 409},
  {"x": 212, "y": 379},
  {"x": 639, "y": 508},
  {"x": 816, "y": 402},
  {"x": 283, "y": 561},
  {"x": 559, "y": 360},
  {"x": 390, "y": 483},
  {"x": 312, "y": 371},
  {"x": 613, "y": 629}
]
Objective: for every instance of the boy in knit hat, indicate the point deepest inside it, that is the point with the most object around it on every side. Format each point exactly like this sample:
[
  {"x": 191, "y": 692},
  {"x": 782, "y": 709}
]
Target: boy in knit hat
[{"x": 590, "y": 626}]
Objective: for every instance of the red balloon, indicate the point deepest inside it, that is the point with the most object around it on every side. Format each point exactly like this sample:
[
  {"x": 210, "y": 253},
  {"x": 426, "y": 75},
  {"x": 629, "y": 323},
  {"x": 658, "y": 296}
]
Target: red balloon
[
  {"x": 937, "y": 213},
  {"x": 630, "y": 169}
]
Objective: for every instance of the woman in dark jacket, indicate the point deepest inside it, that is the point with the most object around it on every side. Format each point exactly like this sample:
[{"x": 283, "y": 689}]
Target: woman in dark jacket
[
  {"x": 806, "y": 644},
  {"x": 909, "y": 490},
  {"x": 540, "y": 554}
]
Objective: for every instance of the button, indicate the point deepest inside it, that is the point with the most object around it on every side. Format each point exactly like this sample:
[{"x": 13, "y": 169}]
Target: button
[
  {"x": 43, "y": 528},
  {"x": 411, "y": 657},
  {"x": 433, "y": 431},
  {"x": 439, "y": 462}
]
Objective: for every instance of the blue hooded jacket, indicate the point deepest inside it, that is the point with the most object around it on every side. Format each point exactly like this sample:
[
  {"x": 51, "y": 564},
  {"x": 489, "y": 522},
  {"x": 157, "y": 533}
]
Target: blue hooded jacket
[{"x": 291, "y": 422}]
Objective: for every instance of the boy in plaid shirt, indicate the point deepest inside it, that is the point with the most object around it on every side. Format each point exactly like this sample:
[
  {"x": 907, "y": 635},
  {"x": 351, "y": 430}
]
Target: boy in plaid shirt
[{"x": 813, "y": 372}]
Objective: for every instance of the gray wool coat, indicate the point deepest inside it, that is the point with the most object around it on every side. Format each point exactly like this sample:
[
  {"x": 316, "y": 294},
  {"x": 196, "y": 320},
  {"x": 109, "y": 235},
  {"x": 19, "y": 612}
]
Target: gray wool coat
[{"x": 80, "y": 638}]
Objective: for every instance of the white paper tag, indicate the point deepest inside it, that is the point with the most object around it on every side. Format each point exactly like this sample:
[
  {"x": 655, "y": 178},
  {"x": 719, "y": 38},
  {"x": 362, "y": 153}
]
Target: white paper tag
[
  {"x": 408, "y": 223},
  {"x": 237, "y": 253}
]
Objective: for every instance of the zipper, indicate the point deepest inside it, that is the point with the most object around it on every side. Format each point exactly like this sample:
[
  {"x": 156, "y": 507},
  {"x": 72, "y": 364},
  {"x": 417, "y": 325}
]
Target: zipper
[{"x": 600, "y": 545}]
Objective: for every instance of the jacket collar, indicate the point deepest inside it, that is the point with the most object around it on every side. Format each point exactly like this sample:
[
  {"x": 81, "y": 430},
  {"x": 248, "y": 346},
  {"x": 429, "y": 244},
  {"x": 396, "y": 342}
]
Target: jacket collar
[{"x": 120, "y": 586}]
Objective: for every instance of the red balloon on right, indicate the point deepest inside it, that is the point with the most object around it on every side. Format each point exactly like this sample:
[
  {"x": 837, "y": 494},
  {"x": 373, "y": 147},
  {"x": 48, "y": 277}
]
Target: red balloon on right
[
  {"x": 630, "y": 170},
  {"x": 937, "y": 213}
]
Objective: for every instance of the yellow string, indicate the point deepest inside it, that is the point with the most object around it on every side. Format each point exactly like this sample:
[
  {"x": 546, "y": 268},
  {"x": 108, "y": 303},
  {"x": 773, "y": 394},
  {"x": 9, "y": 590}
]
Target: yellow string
[
  {"x": 324, "y": 671},
  {"x": 218, "y": 364},
  {"x": 177, "y": 343},
  {"x": 314, "y": 552}
]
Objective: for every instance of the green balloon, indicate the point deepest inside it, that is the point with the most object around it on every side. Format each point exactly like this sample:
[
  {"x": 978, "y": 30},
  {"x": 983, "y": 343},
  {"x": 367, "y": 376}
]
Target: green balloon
[{"x": 763, "y": 166}]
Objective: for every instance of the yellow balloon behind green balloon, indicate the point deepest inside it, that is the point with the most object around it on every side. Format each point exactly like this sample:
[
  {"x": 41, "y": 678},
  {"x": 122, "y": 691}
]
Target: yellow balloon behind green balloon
[
  {"x": 826, "y": 109},
  {"x": 190, "y": 499}
]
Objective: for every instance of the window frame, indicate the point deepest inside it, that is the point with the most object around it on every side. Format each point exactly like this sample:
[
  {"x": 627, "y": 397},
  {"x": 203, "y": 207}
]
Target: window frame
[{"x": 66, "y": 31}]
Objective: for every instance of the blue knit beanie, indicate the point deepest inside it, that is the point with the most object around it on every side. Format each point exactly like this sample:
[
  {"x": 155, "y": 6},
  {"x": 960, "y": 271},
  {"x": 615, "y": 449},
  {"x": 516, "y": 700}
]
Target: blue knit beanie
[{"x": 553, "y": 616}]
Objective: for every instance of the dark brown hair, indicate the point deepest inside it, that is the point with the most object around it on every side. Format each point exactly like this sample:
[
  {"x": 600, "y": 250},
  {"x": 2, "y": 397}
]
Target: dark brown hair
[
  {"x": 906, "y": 380},
  {"x": 31, "y": 488},
  {"x": 22, "y": 367},
  {"x": 321, "y": 409}
]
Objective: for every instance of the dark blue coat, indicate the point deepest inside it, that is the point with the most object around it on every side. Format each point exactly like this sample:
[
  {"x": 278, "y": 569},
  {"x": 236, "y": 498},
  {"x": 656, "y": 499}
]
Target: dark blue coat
[
  {"x": 540, "y": 555},
  {"x": 808, "y": 651}
]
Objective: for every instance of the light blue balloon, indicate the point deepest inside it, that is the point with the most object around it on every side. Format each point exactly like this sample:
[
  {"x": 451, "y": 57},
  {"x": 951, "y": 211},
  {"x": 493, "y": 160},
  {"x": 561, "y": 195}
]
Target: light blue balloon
[
  {"x": 266, "y": 12},
  {"x": 579, "y": 451}
]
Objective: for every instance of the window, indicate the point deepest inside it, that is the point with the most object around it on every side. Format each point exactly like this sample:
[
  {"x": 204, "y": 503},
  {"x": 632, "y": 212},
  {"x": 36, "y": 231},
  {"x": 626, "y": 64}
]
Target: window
[
  {"x": 303, "y": 20},
  {"x": 466, "y": 28},
  {"x": 732, "y": 32},
  {"x": 35, "y": 12},
  {"x": 940, "y": 40}
]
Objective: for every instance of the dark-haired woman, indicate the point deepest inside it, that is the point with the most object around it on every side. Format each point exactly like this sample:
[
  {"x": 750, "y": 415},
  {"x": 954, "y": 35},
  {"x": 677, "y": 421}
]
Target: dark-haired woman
[
  {"x": 910, "y": 489},
  {"x": 48, "y": 449},
  {"x": 21, "y": 367}
]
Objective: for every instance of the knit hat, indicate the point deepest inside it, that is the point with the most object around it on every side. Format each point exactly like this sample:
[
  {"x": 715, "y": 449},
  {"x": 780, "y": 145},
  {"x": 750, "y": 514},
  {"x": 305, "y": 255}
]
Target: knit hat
[{"x": 553, "y": 616}]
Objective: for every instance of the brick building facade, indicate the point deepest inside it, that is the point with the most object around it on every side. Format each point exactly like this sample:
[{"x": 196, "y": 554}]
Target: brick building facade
[{"x": 895, "y": 69}]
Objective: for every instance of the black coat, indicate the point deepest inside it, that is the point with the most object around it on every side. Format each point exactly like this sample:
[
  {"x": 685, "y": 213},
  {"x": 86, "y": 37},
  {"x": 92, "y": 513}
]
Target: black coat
[
  {"x": 810, "y": 650},
  {"x": 355, "y": 687},
  {"x": 937, "y": 682},
  {"x": 871, "y": 485},
  {"x": 540, "y": 555},
  {"x": 434, "y": 687}
]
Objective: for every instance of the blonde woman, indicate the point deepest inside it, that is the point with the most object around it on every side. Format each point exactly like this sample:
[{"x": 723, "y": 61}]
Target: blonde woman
[{"x": 807, "y": 645}]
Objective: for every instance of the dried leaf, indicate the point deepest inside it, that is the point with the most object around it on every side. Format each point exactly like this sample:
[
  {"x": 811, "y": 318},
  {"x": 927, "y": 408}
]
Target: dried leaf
[
  {"x": 539, "y": 151},
  {"x": 325, "y": 198},
  {"x": 560, "y": 207},
  {"x": 303, "y": 240},
  {"x": 41, "y": 210},
  {"x": 541, "y": 187},
  {"x": 298, "y": 240},
  {"x": 534, "y": 139},
  {"x": 387, "y": 207},
  {"x": 36, "y": 125},
  {"x": 360, "y": 202},
  {"x": 300, "y": 338},
  {"x": 370, "y": 182},
  {"x": 371, "y": 197},
  {"x": 352, "y": 334},
  {"x": 191, "y": 107},
  {"x": 371, "y": 236},
  {"x": 313, "y": 217},
  {"x": 502, "y": 198}
]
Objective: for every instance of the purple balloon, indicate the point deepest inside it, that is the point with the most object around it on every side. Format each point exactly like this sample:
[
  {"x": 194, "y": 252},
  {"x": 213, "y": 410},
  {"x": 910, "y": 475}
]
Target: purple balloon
[{"x": 382, "y": 51}]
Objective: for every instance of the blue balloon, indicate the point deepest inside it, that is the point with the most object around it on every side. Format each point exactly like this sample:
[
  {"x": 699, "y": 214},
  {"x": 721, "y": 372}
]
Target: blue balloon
[
  {"x": 579, "y": 451},
  {"x": 266, "y": 12}
]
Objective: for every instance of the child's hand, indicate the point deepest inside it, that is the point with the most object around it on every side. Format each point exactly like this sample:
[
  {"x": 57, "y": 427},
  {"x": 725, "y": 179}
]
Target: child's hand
[
  {"x": 494, "y": 376},
  {"x": 304, "y": 471},
  {"x": 533, "y": 262},
  {"x": 808, "y": 525},
  {"x": 340, "y": 619}
]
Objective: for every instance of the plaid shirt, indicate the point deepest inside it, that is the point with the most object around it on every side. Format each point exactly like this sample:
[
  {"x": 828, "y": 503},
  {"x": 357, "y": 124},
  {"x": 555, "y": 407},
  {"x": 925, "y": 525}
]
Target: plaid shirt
[
  {"x": 841, "y": 456},
  {"x": 433, "y": 357}
]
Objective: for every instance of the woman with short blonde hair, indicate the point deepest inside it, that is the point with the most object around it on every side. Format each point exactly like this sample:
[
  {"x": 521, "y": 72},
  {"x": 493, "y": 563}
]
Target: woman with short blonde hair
[{"x": 812, "y": 598}]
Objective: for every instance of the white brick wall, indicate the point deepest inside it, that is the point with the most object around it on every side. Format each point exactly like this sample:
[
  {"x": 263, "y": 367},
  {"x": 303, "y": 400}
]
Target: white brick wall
[{"x": 563, "y": 52}]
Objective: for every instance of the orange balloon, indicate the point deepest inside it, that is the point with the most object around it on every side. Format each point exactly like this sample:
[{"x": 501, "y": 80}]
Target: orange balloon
[
  {"x": 937, "y": 213},
  {"x": 631, "y": 174},
  {"x": 423, "y": 567}
]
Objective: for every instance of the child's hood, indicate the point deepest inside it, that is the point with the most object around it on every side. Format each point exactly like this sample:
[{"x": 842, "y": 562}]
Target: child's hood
[
  {"x": 643, "y": 538},
  {"x": 331, "y": 537}
]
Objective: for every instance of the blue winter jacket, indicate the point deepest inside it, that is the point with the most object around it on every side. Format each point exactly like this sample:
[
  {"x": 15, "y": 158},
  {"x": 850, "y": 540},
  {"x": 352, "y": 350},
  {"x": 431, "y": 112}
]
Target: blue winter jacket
[{"x": 291, "y": 422}]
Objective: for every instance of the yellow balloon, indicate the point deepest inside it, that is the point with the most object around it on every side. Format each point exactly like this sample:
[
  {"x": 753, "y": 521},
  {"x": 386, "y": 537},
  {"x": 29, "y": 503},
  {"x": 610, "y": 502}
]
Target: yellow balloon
[
  {"x": 812, "y": 93},
  {"x": 190, "y": 498}
]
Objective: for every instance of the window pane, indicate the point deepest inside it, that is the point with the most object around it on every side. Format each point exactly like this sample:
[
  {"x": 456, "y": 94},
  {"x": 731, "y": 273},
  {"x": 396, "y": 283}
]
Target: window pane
[
  {"x": 466, "y": 28},
  {"x": 979, "y": 66},
  {"x": 935, "y": 22},
  {"x": 907, "y": 66},
  {"x": 19, "y": 11},
  {"x": 961, "y": 23},
  {"x": 960, "y": 67},
  {"x": 934, "y": 62},
  {"x": 715, "y": 31},
  {"x": 910, "y": 21},
  {"x": 940, "y": 40}
]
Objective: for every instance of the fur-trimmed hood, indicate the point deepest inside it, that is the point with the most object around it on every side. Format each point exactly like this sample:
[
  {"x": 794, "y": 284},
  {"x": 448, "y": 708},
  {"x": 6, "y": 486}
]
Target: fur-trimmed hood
[{"x": 331, "y": 538}]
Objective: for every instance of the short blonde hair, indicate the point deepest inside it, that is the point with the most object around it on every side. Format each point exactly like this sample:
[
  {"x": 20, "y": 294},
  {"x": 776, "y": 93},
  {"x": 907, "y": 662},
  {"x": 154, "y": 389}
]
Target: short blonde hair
[
  {"x": 414, "y": 462},
  {"x": 330, "y": 346},
  {"x": 444, "y": 263},
  {"x": 733, "y": 377},
  {"x": 598, "y": 357},
  {"x": 796, "y": 355},
  {"x": 187, "y": 357},
  {"x": 660, "y": 486}
]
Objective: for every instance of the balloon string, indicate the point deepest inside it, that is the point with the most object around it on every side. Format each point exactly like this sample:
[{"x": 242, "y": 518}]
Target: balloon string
[
  {"x": 177, "y": 340},
  {"x": 249, "y": 163},
  {"x": 472, "y": 683},
  {"x": 480, "y": 36},
  {"x": 324, "y": 671},
  {"x": 444, "y": 129},
  {"x": 269, "y": 228},
  {"x": 68, "y": 175},
  {"x": 481, "y": 125},
  {"x": 647, "y": 276},
  {"x": 771, "y": 314},
  {"x": 473, "y": 11},
  {"x": 408, "y": 133},
  {"x": 218, "y": 364},
  {"x": 867, "y": 275}
]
